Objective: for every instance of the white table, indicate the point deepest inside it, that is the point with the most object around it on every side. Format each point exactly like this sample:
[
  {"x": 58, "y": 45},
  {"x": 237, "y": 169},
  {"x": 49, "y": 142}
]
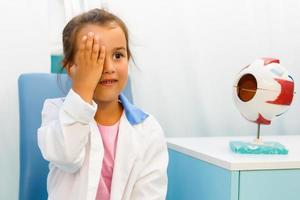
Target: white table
[{"x": 206, "y": 168}]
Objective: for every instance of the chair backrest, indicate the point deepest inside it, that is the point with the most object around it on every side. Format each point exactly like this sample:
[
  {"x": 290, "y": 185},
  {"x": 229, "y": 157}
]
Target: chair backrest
[{"x": 33, "y": 90}]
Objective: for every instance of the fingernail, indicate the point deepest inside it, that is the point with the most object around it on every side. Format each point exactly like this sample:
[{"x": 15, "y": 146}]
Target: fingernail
[
  {"x": 84, "y": 37},
  {"x": 90, "y": 34}
]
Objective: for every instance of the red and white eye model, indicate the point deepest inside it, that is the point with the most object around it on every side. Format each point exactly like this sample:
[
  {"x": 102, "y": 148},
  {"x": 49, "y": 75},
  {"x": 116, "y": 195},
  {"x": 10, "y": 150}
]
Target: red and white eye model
[{"x": 263, "y": 90}]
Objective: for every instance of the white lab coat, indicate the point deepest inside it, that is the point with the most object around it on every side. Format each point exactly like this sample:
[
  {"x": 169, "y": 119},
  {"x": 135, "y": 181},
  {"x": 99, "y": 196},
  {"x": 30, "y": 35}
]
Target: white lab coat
[{"x": 69, "y": 138}]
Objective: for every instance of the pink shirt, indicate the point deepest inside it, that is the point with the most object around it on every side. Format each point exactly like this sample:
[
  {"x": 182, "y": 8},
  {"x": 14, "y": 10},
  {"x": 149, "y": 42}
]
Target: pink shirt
[{"x": 109, "y": 136}]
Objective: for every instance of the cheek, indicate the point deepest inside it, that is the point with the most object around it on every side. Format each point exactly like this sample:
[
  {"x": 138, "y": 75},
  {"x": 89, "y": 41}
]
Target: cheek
[{"x": 123, "y": 71}]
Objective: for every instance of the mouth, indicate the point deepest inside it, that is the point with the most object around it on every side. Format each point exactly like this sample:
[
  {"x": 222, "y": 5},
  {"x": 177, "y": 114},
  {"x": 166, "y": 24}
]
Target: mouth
[{"x": 108, "y": 82}]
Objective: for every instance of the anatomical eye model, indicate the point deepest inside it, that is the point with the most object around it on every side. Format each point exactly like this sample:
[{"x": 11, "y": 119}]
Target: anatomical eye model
[{"x": 262, "y": 91}]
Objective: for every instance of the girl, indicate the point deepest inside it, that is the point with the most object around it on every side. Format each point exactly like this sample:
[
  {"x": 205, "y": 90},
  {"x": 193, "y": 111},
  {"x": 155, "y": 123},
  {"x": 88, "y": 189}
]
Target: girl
[{"x": 99, "y": 145}]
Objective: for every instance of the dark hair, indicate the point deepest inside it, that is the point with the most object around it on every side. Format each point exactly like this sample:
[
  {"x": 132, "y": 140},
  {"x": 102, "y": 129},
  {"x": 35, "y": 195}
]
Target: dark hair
[{"x": 95, "y": 16}]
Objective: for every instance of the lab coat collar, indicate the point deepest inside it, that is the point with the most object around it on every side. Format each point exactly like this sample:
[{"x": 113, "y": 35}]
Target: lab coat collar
[{"x": 134, "y": 114}]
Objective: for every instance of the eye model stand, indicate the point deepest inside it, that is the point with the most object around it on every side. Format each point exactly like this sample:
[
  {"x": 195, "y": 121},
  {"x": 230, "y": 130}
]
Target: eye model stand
[{"x": 258, "y": 146}]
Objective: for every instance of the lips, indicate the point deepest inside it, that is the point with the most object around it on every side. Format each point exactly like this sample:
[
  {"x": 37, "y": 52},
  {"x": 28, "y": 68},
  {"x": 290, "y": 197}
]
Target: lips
[{"x": 108, "y": 82}]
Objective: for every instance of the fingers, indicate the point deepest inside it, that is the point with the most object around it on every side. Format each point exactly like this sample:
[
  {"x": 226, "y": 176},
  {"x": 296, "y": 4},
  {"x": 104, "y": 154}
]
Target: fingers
[
  {"x": 101, "y": 56},
  {"x": 82, "y": 48},
  {"x": 90, "y": 51},
  {"x": 89, "y": 46},
  {"x": 96, "y": 49}
]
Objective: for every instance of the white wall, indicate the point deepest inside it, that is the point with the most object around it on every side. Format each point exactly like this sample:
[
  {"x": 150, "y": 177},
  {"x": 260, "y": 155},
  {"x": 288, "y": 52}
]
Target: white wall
[
  {"x": 24, "y": 47},
  {"x": 189, "y": 53}
]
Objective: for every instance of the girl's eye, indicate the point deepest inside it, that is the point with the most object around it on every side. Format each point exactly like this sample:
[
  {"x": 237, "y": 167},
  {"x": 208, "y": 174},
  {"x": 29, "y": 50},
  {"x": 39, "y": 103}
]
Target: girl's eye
[{"x": 118, "y": 56}]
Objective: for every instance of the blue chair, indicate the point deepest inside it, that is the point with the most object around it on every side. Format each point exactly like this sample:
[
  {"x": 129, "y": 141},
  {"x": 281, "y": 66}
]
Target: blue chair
[{"x": 33, "y": 90}]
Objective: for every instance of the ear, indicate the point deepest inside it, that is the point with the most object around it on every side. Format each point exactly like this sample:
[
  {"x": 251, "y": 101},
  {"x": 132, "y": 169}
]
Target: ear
[{"x": 68, "y": 69}]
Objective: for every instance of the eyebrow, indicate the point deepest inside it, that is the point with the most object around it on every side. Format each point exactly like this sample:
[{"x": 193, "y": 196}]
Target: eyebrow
[{"x": 119, "y": 48}]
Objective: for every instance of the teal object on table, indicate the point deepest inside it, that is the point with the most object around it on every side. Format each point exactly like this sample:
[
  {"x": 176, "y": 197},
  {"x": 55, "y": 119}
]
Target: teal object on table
[
  {"x": 56, "y": 66},
  {"x": 253, "y": 148}
]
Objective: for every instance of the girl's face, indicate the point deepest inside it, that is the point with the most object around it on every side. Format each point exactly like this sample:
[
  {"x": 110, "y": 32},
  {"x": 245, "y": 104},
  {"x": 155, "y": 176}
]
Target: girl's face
[{"x": 115, "y": 66}]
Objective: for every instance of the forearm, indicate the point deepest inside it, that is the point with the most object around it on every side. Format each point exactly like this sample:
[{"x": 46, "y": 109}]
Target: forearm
[{"x": 63, "y": 140}]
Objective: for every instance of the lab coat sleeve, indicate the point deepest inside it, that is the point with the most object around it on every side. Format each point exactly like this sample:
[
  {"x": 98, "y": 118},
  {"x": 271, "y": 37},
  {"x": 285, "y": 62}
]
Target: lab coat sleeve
[
  {"x": 152, "y": 181},
  {"x": 64, "y": 132}
]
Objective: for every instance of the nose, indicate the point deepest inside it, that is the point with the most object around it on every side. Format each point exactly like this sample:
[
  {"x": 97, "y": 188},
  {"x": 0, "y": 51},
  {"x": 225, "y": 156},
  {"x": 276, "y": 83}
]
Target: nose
[{"x": 108, "y": 67}]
